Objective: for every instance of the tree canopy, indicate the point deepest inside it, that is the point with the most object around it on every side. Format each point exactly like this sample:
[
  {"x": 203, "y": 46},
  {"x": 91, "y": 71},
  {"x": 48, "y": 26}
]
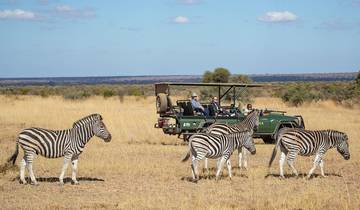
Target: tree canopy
[
  {"x": 218, "y": 75},
  {"x": 223, "y": 75}
]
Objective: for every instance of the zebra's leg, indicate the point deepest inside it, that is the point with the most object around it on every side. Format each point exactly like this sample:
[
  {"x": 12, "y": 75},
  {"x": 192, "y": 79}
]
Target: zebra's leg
[
  {"x": 291, "y": 159},
  {"x": 245, "y": 155},
  {"x": 22, "y": 171},
  {"x": 281, "y": 164},
  {"x": 63, "y": 170},
  {"x": 228, "y": 163},
  {"x": 29, "y": 159},
  {"x": 194, "y": 169},
  {"x": 74, "y": 162},
  {"x": 240, "y": 157},
  {"x": 206, "y": 168},
  {"x": 322, "y": 168},
  {"x": 221, "y": 164},
  {"x": 316, "y": 162}
]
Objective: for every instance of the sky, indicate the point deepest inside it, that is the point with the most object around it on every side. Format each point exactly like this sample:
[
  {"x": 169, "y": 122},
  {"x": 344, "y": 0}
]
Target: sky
[{"x": 59, "y": 38}]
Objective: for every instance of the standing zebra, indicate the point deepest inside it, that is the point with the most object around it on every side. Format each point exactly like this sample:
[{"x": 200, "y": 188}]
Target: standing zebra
[
  {"x": 214, "y": 146},
  {"x": 54, "y": 144},
  {"x": 293, "y": 141},
  {"x": 251, "y": 122}
]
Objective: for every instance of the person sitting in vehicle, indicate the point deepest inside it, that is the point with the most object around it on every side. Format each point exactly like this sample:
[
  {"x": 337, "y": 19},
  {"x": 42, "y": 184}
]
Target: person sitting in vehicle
[
  {"x": 196, "y": 104},
  {"x": 248, "y": 109},
  {"x": 215, "y": 104}
]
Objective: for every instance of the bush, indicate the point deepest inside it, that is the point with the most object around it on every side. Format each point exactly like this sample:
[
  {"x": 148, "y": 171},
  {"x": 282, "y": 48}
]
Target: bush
[
  {"x": 108, "y": 93},
  {"x": 298, "y": 94},
  {"x": 76, "y": 95},
  {"x": 136, "y": 91}
]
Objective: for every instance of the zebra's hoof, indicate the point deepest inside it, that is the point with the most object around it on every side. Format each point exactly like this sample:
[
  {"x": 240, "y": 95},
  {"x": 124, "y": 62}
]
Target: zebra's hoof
[
  {"x": 34, "y": 183},
  {"x": 61, "y": 183},
  {"x": 74, "y": 182},
  {"x": 282, "y": 177},
  {"x": 23, "y": 182}
]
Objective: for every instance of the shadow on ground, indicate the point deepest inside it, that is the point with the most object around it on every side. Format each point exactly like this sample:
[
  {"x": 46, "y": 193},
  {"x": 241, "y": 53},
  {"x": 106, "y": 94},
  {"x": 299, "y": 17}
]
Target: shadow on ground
[
  {"x": 212, "y": 177},
  {"x": 66, "y": 180},
  {"x": 303, "y": 175}
]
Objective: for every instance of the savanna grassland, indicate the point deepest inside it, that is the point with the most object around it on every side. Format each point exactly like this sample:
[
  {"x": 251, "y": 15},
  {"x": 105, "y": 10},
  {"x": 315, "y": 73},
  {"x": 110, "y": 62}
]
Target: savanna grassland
[{"x": 141, "y": 168}]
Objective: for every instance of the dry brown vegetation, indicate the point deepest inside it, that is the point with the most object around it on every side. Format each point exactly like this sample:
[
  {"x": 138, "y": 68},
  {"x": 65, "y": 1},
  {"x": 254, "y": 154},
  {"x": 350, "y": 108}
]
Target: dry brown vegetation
[{"x": 141, "y": 168}]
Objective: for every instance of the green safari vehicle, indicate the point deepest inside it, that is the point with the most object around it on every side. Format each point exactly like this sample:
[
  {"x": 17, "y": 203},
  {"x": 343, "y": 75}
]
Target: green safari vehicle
[{"x": 187, "y": 122}]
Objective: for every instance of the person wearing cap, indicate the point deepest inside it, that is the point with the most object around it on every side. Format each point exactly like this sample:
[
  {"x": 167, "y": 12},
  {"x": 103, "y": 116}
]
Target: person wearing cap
[{"x": 196, "y": 104}]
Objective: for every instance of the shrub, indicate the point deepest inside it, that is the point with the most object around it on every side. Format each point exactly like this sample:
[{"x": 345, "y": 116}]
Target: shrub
[
  {"x": 136, "y": 91},
  {"x": 108, "y": 93},
  {"x": 298, "y": 94},
  {"x": 76, "y": 95}
]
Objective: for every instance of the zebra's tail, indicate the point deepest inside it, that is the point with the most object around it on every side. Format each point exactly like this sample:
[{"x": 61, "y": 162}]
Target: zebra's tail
[
  {"x": 277, "y": 144},
  {"x": 13, "y": 157},
  {"x": 188, "y": 154},
  {"x": 186, "y": 157}
]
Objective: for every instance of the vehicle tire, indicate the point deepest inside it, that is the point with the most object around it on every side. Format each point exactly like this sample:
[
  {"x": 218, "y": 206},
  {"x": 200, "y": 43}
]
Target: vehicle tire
[
  {"x": 268, "y": 140},
  {"x": 169, "y": 102},
  {"x": 161, "y": 103}
]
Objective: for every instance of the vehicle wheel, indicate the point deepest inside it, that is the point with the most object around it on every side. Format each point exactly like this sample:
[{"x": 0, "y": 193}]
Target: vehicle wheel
[
  {"x": 268, "y": 140},
  {"x": 161, "y": 103},
  {"x": 169, "y": 102}
]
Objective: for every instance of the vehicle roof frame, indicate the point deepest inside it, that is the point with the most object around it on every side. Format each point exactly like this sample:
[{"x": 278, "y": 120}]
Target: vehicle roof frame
[{"x": 164, "y": 87}]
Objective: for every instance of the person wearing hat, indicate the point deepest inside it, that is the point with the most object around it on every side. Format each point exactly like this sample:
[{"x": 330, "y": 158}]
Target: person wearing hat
[{"x": 196, "y": 104}]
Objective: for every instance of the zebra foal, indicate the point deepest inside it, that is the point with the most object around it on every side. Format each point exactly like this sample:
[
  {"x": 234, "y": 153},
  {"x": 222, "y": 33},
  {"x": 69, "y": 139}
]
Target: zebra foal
[
  {"x": 60, "y": 143},
  {"x": 250, "y": 123},
  {"x": 203, "y": 145},
  {"x": 293, "y": 142}
]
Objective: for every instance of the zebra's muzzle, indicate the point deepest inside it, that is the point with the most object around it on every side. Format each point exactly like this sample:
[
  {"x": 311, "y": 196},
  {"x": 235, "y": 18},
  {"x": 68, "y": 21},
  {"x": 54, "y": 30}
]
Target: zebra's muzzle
[
  {"x": 108, "y": 139},
  {"x": 253, "y": 152},
  {"x": 346, "y": 157}
]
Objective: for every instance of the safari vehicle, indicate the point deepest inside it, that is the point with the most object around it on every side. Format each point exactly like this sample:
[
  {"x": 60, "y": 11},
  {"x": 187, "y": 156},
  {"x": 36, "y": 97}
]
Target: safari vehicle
[{"x": 187, "y": 122}]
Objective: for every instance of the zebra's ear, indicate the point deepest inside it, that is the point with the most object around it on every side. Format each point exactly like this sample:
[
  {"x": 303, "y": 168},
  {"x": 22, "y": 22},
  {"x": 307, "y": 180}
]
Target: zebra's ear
[{"x": 100, "y": 117}]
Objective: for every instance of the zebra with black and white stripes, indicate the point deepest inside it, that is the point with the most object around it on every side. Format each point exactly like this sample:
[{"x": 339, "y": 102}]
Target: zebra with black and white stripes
[
  {"x": 294, "y": 141},
  {"x": 203, "y": 145},
  {"x": 60, "y": 143},
  {"x": 251, "y": 123}
]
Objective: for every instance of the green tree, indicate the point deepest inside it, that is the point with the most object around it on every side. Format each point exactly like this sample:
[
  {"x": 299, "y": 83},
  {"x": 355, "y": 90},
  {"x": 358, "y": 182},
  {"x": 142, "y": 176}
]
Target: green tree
[
  {"x": 207, "y": 77},
  {"x": 221, "y": 75},
  {"x": 240, "y": 79}
]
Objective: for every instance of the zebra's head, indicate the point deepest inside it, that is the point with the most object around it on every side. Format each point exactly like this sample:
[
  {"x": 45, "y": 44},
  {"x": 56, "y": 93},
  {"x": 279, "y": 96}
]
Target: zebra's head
[
  {"x": 101, "y": 131},
  {"x": 343, "y": 146},
  {"x": 249, "y": 144}
]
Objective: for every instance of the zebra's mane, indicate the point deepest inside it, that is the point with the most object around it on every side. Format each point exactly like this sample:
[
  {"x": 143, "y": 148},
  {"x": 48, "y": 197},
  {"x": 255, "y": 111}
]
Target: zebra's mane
[
  {"x": 249, "y": 117},
  {"x": 87, "y": 119}
]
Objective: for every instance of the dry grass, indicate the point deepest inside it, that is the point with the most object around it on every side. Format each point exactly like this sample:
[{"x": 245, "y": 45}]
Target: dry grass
[{"x": 139, "y": 172}]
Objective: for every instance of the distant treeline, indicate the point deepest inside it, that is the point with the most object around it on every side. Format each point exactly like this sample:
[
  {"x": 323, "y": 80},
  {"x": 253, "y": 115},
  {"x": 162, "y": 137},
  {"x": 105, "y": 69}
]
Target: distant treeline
[
  {"x": 293, "y": 93},
  {"x": 55, "y": 81}
]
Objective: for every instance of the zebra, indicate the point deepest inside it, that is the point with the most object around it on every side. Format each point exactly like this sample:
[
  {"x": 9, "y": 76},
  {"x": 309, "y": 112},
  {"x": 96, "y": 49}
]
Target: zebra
[
  {"x": 220, "y": 147},
  {"x": 251, "y": 122},
  {"x": 294, "y": 141},
  {"x": 60, "y": 143}
]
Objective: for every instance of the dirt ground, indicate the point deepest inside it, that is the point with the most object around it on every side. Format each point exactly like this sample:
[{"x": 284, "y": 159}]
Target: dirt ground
[{"x": 141, "y": 168}]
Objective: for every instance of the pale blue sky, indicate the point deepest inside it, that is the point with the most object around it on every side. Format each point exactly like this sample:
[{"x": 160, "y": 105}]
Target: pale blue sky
[{"x": 131, "y": 37}]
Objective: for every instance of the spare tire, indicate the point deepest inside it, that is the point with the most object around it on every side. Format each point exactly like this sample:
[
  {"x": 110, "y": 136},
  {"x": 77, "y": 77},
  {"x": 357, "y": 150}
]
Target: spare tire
[{"x": 161, "y": 103}]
